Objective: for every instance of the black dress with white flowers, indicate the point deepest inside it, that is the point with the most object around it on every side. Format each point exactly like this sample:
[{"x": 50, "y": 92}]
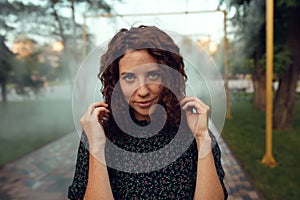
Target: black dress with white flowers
[{"x": 174, "y": 180}]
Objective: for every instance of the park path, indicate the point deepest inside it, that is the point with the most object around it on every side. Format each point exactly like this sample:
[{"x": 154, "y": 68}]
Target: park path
[{"x": 47, "y": 172}]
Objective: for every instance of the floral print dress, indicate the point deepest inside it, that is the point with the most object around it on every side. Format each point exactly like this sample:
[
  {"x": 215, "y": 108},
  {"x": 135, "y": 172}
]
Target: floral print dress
[{"x": 175, "y": 180}]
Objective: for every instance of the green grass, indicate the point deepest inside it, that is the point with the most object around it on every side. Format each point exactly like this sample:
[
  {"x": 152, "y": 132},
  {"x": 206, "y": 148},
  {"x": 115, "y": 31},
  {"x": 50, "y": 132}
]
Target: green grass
[
  {"x": 245, "y": 135},
  {"x": 28, "y": 125}
]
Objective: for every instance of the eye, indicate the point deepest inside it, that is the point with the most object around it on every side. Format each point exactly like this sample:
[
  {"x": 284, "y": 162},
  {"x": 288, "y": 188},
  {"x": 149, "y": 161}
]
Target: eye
[
  {"x": 154, "y": 75},
  {"x": 129, "y": 77}
]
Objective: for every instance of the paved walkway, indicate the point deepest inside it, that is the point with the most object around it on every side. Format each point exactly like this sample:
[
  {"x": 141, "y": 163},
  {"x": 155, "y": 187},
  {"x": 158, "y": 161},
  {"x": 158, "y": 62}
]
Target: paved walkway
[{"x": 47, "y": 173}]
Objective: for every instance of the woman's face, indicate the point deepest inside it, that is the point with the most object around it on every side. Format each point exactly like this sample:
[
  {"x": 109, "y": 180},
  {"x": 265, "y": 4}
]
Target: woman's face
[{"x": 140, "y": 81}]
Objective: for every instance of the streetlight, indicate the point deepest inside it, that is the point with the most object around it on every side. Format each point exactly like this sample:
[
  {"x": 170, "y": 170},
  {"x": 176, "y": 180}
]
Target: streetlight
[
  {"x": 212, "y": 47},
  {"x": 209, "y": 45},
  {"x": 57, "y": 46}
]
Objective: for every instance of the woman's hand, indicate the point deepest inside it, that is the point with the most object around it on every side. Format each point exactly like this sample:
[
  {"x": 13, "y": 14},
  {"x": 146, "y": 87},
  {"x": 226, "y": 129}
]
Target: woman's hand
[
  {"x": 197, "y": 114},
  {"x": 91, "y": 124}
]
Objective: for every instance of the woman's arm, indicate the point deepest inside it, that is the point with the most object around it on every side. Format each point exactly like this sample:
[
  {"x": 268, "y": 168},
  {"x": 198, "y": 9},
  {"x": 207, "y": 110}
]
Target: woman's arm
[
  {"x": 98, "y": 186},
  {"x": 208, "y": 185}
]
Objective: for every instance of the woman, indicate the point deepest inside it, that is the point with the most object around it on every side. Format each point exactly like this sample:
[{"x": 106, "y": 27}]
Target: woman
[{"x": 145, "y": 109}]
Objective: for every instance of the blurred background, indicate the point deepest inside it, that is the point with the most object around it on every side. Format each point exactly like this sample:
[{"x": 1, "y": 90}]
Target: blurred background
[{"x": 43, "y": 43}]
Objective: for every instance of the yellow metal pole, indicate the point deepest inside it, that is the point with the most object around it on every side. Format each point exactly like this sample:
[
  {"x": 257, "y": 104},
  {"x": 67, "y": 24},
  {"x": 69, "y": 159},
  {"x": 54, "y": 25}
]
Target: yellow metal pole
[
  {"x": 84, "y": 38},
  {"x": 268, "y": 158},
  {"x": 228, "y": 110}
]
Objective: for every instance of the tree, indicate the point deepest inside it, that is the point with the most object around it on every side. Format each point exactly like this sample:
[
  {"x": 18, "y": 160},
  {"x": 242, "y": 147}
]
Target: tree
[
  {"x": 287, "y": 16},
  {"x": 69, "y": 30},
  {"x": 12, "y": 23},
  {"x": 5, "y": 68},
  {"x": 250, "y": 35},
  {"x": 28, "y": 70},
  {"x": 5, "y": 54},
  {"x": 250, "y": 16},
  {"x": 239, "y": 62},
  {"x": 40, "y": 20}
]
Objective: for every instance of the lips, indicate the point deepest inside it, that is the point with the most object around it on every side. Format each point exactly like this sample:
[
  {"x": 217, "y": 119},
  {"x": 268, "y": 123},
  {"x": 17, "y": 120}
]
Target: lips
[{"x": 145, "y": 104}]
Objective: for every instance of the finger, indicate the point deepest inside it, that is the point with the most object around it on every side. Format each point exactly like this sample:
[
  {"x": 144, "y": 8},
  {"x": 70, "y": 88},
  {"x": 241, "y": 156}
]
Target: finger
[
  {"x": 194, "y": 99},
  {"x": 202, "y": 104},
  {"x": 100, "y": 110},
  {"x": 92, "y": 106},
  {"x": 188, "y": 98},
  {"x": 97, "y": 104},
  {"x": 184, "y": 100},
  {"x": 191, "y": 104},
  {"x": 199, "y": 109},
  {"x": 188, "y": 105}
]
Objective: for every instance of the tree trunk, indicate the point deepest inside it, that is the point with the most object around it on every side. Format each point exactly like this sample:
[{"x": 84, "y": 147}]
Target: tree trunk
[
  {"x": 73, "y": 19},
  {"x": 59, "y": 23},
  {"x": 259, "y": 84},
  {"x": 4, "y": 94},
  {"x": 67, "y": 65},
  {"x": 74, "y": 47},
  {"x": 284, "y": 104}
]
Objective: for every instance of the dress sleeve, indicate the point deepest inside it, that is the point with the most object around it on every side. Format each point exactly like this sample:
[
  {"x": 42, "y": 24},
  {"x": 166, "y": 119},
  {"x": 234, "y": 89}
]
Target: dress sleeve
[
  {"x": 78, "y": 187},
  {"x": 217, "y": 157}
]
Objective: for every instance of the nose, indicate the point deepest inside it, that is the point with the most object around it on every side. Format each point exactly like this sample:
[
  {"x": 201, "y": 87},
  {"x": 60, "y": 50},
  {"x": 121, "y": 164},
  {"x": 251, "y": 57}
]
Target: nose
[{"x": 143, "y": 90}]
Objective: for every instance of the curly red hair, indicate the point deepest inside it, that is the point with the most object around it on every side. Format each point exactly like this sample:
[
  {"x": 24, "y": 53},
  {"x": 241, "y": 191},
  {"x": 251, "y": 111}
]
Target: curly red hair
[{"x": 159, "y": 45}]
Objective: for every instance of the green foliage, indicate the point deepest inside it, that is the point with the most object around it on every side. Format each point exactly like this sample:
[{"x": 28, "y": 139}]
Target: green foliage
[
  {"x": 43, "y": 20},
  {"x": 287, "y": 3},
  {"x": 17, "y": 17},
  {"x": 5, "y": 66},
  {"x": 239, "y": 62},
  {"x": 249, "y": 44},
  {"x": 282, "y": 59},
  {"x": 64, "y": 25},
  {"x": 249, "y": 21}
]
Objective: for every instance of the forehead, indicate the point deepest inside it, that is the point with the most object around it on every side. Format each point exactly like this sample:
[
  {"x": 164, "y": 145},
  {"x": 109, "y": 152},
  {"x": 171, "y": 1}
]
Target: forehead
[{"x": 136, "y": 59}]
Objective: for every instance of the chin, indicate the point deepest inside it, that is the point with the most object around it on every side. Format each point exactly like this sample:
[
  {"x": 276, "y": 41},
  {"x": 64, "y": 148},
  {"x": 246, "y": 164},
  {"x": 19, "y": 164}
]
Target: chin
[{"x": 145, "y": 113}]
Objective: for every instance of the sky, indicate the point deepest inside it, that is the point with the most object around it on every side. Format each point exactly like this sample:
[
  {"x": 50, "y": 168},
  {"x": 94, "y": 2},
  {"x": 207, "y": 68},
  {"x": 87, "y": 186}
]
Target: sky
[{"x": 197, "y": 25}]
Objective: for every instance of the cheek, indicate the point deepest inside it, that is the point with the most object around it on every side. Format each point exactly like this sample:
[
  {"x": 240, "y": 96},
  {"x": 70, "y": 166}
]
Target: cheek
[
  {"x": 156, "y": 89},
  {"x": 127, "y": 90}
]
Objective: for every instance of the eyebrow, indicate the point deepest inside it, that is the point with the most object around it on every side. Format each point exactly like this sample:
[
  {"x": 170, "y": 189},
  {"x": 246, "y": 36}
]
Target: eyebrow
[
  {"x": 150, "y": 71},
  {"x": 125, "y": 73},
  {"x": 156, "y": 71}
]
